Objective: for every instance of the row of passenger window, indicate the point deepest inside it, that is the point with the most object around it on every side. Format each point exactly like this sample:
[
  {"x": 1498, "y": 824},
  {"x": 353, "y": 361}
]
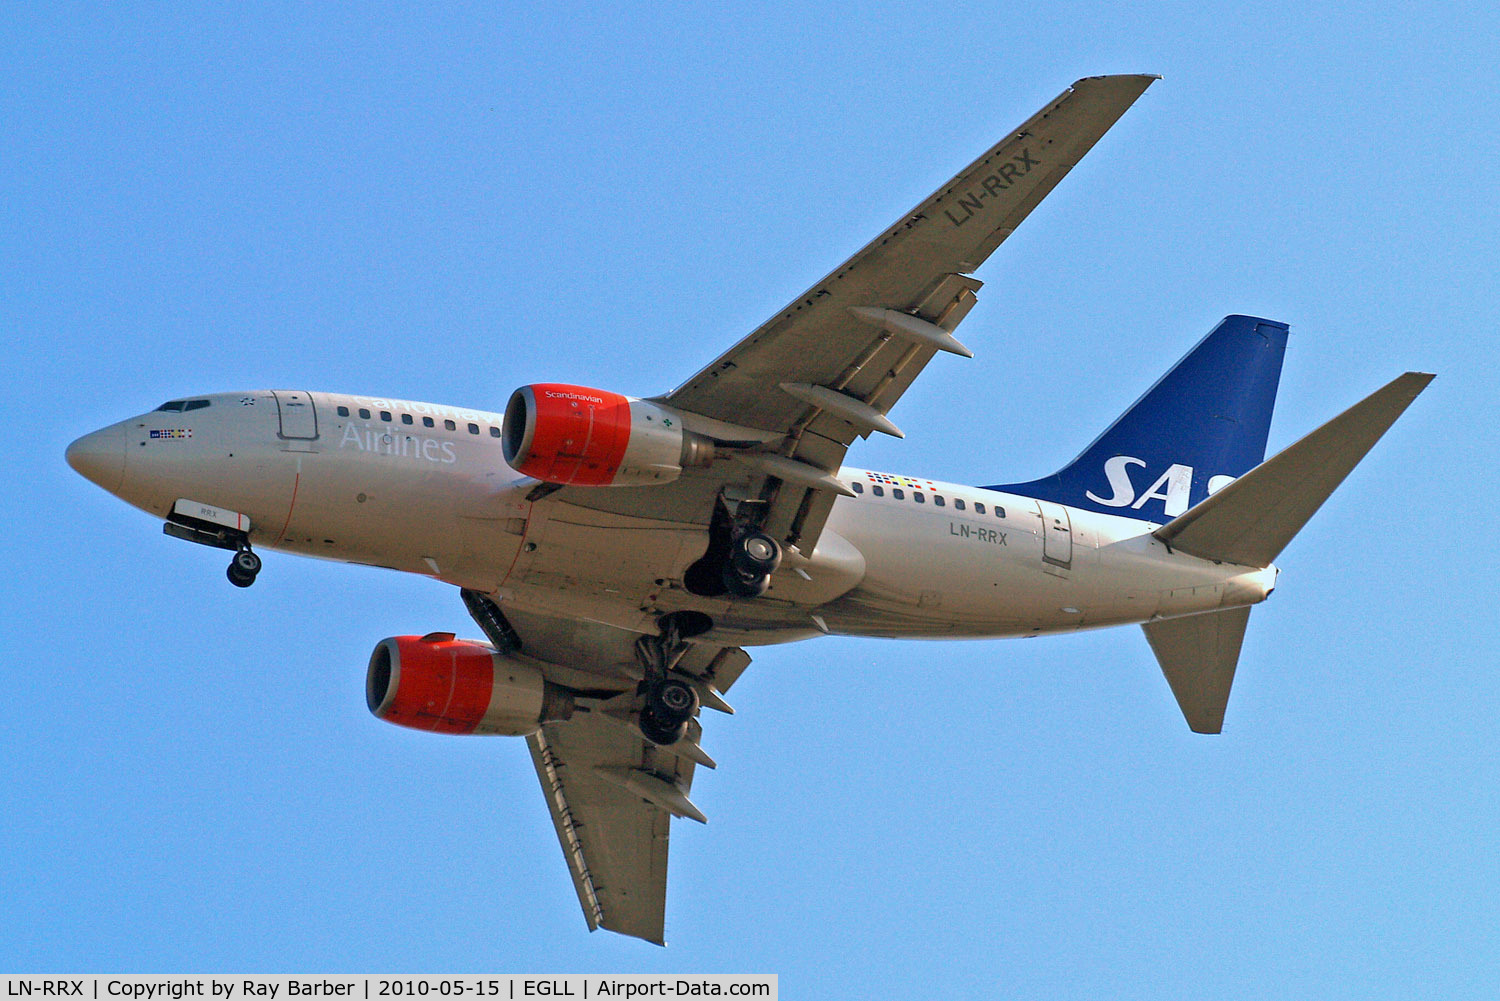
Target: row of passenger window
[
  {"x": 427, "y": 422},
  {"x": 938, "y": 500}
]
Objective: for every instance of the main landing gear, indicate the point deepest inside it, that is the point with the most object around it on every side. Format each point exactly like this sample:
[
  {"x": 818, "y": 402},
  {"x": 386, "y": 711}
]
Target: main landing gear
[
  {"x": 669, "y": 702},
  {"x": 753, "y": 558},
  {"x": 739, "y": 560},
  {"x": 244, "y": 567}
]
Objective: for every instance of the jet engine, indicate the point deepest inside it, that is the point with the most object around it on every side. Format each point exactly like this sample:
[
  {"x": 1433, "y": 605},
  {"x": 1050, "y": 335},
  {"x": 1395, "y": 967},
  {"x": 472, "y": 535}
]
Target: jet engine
[
  {"x": 592, "y": 438},
  {"x": 447, "y": 685}
]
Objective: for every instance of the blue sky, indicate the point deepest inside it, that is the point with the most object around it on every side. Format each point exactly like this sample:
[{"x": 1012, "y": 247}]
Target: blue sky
[{"x": 445, "y": 205}]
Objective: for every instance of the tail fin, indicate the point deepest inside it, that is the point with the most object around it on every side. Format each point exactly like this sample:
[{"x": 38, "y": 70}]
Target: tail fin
[
  {"x": 1252, "y": 519},
  {"x": 1204, "y": 423}
]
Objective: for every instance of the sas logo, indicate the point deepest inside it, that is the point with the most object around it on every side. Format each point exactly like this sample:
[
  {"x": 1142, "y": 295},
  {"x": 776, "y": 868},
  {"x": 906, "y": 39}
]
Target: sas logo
[{"x": 1172, "y": 488}]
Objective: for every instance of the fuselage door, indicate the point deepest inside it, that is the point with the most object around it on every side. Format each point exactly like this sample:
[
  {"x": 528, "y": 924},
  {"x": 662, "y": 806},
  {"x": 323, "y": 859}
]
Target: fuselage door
[
  {"x": 298, "y": 415},
  {"x": 1057, "y": 534}
]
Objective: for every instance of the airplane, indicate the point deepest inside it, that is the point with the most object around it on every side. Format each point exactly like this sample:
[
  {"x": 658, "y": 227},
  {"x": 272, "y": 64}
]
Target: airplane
[{"x": 618, "y": 553}]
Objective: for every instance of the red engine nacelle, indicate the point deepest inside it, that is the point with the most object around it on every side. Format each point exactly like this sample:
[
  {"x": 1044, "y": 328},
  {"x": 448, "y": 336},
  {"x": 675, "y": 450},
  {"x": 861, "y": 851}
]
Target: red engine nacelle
[
  {"x": 447, "y": 685},
  {"x": 592, "y": 438}
]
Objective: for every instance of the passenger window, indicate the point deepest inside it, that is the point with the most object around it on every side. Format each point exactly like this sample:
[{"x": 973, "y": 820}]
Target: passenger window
[
  {"x": 979, "y": 507},
  {"x": 898, "y": 493},
  {"x": 343, "y": 411},
  {"x": 450, "y": 425},
  {"x": 385, "y": 415},
  {"x": 958, "y": 503},
  {"x": 427, "y": 422},
  {"x": 473, "y": 429},
  {"x": 364, "y": 414},
  {"x": 919, "y": 497},
  {"x": 878, "y": 491},
  {"x": 494, "y": 432},
  {"x": 999, "y": 512},
  {"x": 858, "y": 488},
  {"x": 937, "y": 499},
  {"x": 406, "y": 418}
]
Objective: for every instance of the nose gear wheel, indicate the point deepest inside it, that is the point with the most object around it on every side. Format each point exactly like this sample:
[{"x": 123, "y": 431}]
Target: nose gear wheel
[{"x": 244, "y": 568}]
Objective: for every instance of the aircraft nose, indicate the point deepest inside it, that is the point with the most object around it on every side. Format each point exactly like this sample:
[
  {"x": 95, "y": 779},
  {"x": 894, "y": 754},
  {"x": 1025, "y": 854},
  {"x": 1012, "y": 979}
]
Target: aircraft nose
[{"x": 100, "y": 457}]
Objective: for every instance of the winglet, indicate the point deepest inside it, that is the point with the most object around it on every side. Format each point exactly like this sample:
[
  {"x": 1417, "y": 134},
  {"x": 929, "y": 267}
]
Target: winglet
[{"x": 1252, "y": 519}]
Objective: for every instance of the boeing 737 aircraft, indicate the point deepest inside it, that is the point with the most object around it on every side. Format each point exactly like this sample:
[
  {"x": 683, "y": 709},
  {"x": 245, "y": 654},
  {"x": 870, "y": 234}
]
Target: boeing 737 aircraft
[{"x": 618, "y": 553}]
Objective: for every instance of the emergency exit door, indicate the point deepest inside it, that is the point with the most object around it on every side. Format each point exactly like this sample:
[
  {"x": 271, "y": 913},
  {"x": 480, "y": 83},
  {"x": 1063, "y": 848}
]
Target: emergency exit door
[{"x": 1057, "y": 534}]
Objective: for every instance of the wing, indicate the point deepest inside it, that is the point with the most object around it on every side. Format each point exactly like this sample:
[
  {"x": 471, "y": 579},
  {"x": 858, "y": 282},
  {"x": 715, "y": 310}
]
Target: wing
[
  {"x": 612, "y": 794},
  {"x": 816, "y": 339},
  {"x": 614, "y": 839},
  {"x": 829, "y": 367}
]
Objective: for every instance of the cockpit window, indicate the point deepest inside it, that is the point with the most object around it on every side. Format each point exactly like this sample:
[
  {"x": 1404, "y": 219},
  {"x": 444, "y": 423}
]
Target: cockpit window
[{"x": 178, "y": 406}]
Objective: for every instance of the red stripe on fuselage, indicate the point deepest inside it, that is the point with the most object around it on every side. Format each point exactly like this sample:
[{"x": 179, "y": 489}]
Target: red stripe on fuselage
[{"x": 296, "y": 484}]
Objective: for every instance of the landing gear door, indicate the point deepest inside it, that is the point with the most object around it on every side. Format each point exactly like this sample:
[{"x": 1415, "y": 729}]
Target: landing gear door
[
  {"x": 297, "y": 414},
  {"x": 1057, "y": 534}
]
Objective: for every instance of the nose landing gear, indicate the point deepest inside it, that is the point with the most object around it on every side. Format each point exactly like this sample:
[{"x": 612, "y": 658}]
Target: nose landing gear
[
  {"x": 207, "y": 525},
  {"x": 244, "y": 567}
]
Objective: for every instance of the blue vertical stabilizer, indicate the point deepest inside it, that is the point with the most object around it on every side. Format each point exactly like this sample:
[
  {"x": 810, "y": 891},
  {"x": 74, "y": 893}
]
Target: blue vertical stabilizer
[{"x": 1203, "y": 424}]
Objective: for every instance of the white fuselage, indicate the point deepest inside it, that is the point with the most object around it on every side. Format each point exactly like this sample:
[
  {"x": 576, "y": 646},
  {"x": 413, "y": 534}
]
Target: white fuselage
[{"x": 425, "y": 489}]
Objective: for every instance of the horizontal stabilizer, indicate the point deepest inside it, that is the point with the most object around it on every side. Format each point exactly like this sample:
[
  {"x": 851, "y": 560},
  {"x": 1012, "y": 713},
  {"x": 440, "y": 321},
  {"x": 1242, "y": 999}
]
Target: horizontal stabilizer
[
  {"x": 1198, "y": 654},
  {"x": 1251, "y": 520}
]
